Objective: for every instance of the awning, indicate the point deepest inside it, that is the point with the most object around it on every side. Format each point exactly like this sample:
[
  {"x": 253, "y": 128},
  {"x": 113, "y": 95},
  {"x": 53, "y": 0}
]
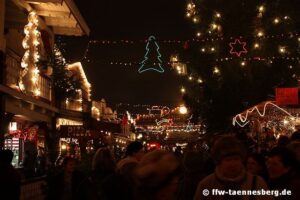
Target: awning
[{"x": 62, "y": 15}]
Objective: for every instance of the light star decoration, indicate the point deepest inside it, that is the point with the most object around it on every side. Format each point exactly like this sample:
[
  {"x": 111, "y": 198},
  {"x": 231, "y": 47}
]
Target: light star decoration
[{"x": 238, "y": 51}]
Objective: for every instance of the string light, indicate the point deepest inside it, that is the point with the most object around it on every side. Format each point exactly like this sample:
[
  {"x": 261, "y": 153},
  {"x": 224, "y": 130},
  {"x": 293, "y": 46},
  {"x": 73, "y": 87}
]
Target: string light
[
  {"x": 244, "y": 119},
  {"x": 216, "y": 70},
  {"x": 200, "y": 80},
  {"x": 182, "y": 90},
  {"x": 218, "y": 15},
  {"x": 243, "y": 63},
  {"x": 142, "y": 67},
  {"x": 260, "y": 33},
  {"x": 198, "y": 34},
  {"x": 256, "y": 46},
  {"x": 276, "y": 20},
  {"x": 282, "y": 49},
  {"x": 31, "y": 55}
]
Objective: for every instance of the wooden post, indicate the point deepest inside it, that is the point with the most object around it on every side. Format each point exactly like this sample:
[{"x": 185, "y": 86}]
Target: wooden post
[{"x": 2, "y": 68}]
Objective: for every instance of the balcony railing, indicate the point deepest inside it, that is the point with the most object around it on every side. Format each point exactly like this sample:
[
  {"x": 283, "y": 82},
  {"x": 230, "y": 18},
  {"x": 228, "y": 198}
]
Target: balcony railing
[{"x": 13, "y": 70}]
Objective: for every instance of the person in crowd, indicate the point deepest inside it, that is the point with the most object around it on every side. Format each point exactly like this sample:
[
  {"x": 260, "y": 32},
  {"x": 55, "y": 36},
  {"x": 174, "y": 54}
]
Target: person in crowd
[
  {"x": 103, "y": 183},
  {"x": 256, "y": 165},
  {"x": 134, "y": 153},
  {"x": 283, "y": 141},
  {"x": 295, "y": 136},
  {"x": 10, "y": 179},
  {"x": 230, "y": 173},
  {"x": 195, "y": 169},
  {"x": 281, "y": 176},
  {"x": 29, "y": 164},
  {"x": 294, "y": 147},
  {"x": 157, "y": 176},
  {"x": 64, "y": 184},
  {"x": 41, "y": 162}
]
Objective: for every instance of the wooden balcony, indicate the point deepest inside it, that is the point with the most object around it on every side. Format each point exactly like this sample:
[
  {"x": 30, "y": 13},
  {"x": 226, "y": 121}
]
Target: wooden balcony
[{"x": 12, "y": 74}]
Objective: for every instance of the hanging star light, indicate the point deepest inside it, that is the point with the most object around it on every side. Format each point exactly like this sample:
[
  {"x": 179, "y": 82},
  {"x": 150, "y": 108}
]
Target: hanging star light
[{"x": 234, "y": 47}]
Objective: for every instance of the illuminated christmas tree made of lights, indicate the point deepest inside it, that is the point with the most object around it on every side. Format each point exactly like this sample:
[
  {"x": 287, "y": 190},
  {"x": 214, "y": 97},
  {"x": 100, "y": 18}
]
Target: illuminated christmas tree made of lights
[
  {"x": 143, "y": 66},
  {"x": 243, "y": 50}
]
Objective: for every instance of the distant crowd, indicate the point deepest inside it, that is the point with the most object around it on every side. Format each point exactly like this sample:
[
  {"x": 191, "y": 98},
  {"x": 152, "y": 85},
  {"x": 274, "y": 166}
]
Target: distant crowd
[{"x": 199, "y": 172}]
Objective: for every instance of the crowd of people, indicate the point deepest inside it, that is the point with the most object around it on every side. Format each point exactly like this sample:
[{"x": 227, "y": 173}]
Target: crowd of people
[{"x": 229, "y": 165}]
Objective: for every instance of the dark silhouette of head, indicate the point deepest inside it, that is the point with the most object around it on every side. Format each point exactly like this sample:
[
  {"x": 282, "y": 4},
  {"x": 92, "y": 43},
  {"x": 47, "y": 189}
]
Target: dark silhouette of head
[
  {"x": 133, "y": 148},
  {"x": 6, "y": 156}
]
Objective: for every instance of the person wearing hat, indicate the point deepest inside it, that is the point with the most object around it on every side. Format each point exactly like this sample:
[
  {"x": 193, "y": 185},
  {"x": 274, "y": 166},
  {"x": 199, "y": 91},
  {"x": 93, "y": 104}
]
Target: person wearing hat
[
  {"x": 230, "y": 174},
  {"x": 134, "y": 153},
  {"x": 157, "y": 176}
]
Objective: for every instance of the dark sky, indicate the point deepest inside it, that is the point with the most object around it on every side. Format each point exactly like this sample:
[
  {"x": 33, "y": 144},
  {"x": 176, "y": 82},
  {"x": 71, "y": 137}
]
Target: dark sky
[{"x": 134, "y": 20}]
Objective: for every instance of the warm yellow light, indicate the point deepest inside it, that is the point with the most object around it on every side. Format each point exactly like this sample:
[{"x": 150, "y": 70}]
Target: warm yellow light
[
  {"x": 260, "y": 34},
  {"x": 298, "y": 39},
  {"x": 276, "y": 20},
  {"x": 200, "y": 80},
  {"x": 63, "y": 147},
  {"x": 282, "y": 50},
  {"x": 190, "y": 78},
  {"x": 37, "y": 92},
  {"x": 216, "y": 70},
  {"x": 182, "y": 90},
  {"x": 243, "y": 63},
  {"x": 218, "y": 15},
  {"x": 203, "y": 49},
  {"x": 198, "y": 34},
  {"x": 34, "y": 79},
  {"x": 256, "y": 45},
  {"x": 214, "y": 26},
  {"x": 36, "y": 71},
  {"x": 212, "y": 49},
  {"x": 183, "y": 110},
  {"x": 195, "y": 20},
  {"x": 261, "y": 8},
  {"x": 188, "y": 14}
]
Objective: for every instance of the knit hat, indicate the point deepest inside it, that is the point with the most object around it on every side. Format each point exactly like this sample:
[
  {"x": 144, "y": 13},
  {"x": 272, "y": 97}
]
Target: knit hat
[
  {"x": 156, "y": 168},
  {"x": 228, "y": 146},
  {"x": 133, "y": 147}
]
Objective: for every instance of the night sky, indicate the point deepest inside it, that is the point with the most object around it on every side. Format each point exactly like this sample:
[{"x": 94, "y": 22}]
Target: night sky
[{"x": 134, "y": 20}]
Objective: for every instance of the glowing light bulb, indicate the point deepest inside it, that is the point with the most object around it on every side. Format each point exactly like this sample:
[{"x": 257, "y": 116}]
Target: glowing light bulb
[
  {"x": 218, "y": 15},
  {"x": 200, "y": 80},
  {"x": 203, "y": 49},
  {"x": 195, "y": 20},
  {"x": 216, "y": 70},
  {"x": 243, "y": 63},
  {"x": 214, "y": 26},
  {"x": 276, "y": 20},
  {"x": 183, "y": 110},
  {"x": 282, "y": 49},
  {"x": 212, "y": 49},
  {"x": 256, "y": 46},
  {"x": 188, "y": 14},
  {"x": 37, "y": 92},
  {"x": 190, "y": 78},
  {"x": 198, "y": 34},
  {"x": 260, "y": 34},
  {"x": 261, "y": 8},
  {"x": 182, "y": 90}
]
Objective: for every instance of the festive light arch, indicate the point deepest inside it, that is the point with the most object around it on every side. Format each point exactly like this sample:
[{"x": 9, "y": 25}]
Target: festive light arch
[{"x": 244, "y": 119}]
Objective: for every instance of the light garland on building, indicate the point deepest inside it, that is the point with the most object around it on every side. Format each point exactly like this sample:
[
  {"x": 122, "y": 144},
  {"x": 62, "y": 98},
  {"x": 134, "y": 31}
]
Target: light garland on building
[{"x": 31, "y": 56}]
